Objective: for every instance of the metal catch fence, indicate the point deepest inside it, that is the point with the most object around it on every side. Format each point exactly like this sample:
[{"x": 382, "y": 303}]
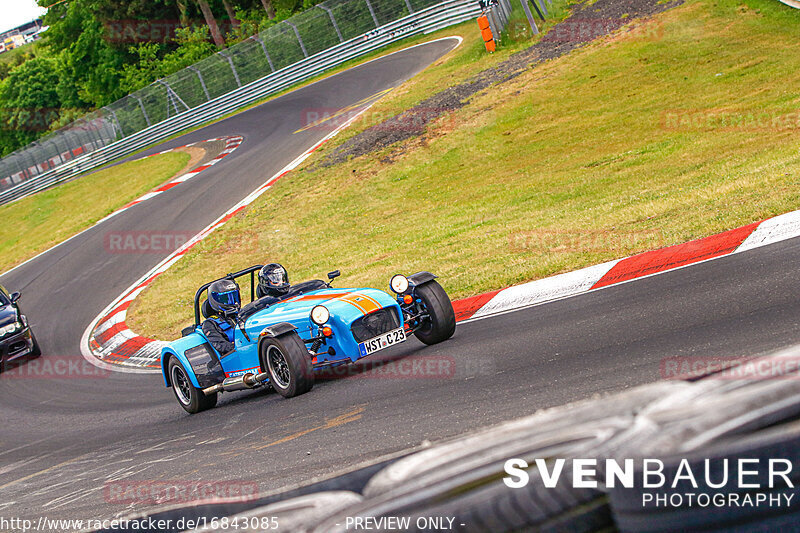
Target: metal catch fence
[{"x": 298, "y": 48}]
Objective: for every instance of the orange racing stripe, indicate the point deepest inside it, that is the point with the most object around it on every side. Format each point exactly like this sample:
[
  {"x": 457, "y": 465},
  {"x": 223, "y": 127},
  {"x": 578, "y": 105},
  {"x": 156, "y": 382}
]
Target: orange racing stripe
[{"x": 363, "y": 303}]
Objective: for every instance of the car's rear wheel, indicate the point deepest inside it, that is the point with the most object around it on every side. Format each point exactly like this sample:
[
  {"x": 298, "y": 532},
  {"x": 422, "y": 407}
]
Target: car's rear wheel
[
  {"x": 189, "y": 397},
  {"x": 441, "y": 322},
  {"x": 286, "y": 359}
]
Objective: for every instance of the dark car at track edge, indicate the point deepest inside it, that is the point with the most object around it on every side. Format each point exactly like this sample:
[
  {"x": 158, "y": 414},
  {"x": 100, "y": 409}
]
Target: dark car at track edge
[{"x": 16, "y": 337}]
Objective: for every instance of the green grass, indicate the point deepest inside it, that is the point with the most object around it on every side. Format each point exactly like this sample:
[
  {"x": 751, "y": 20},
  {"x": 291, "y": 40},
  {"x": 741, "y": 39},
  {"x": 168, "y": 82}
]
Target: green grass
[
  {"x": 466, "y": 29},
  {"x": 462, "y": 67},
  {"x": 36, "y": 223},
  {"x": 572, "y": 163},
  {"x": 10, "y": 56}
]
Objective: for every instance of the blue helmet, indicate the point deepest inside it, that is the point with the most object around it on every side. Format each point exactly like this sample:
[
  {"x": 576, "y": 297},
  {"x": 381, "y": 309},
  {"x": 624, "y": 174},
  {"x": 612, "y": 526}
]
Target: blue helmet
[{"x": 224, "y": 297}]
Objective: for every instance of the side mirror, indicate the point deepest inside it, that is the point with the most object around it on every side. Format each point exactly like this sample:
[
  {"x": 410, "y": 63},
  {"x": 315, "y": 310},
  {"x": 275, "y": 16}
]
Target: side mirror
[
  {"x": 15, "y": 296},
  {"x": 333, "y": 275}
]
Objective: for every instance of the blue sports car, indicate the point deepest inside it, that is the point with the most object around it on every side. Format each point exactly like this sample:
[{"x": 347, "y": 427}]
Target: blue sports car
[{"x": 312, "y": 326}]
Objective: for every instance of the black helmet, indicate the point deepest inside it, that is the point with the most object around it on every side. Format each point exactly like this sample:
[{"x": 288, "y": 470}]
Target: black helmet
[
  {"x": 224, "y": 298},
  {"x": 273, "y": 280}
]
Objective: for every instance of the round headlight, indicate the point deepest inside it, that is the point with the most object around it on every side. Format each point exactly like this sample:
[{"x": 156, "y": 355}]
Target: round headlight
[
  {"x": 399, "y": 283},
  {"x": 320, "y": 315}
]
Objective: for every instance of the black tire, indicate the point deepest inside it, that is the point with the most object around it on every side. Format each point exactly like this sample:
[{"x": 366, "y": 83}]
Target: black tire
[
  {"x": 189, "y": 397},
  {"x": 442, "y": 322},
  {"x": 286, "y": 359}
]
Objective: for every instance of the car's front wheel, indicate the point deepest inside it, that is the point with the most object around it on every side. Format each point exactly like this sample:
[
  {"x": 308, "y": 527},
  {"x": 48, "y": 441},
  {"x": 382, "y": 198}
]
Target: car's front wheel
[
  {"x": 190, "y": 397},
  {"x": 286, "y": 359},
  {"x": 441, "y": 322}
]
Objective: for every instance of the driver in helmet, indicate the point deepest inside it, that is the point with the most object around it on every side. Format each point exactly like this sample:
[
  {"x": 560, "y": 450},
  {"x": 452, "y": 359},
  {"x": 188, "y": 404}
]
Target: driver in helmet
[
  {"x": 225, "y": 300},
  {"x": 273, "y": 281},
  {"x": 273, "y": 286}
]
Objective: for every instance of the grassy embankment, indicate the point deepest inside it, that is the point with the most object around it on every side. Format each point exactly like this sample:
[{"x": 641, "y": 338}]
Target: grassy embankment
[
  {"x": 640, "y": 140},
  {"x": 18, "y": 243},
  {"x": 42, "y": 220}
]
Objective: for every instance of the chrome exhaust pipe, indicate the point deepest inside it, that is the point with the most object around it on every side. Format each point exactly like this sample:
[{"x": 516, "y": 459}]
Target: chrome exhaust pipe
[{"x": 247, "y": 381}]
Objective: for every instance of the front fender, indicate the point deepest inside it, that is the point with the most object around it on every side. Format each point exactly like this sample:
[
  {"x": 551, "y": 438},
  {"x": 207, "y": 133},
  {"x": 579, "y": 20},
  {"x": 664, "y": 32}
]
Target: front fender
[
  {"x": 421, "y": 277},
  {"x": 198, "y": 359},
  {"x": 277, "y": 330}
]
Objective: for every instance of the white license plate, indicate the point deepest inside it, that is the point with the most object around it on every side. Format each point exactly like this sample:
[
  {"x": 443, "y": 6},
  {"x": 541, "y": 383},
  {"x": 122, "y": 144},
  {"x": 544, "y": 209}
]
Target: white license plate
[{"x": 384, "y": 341}]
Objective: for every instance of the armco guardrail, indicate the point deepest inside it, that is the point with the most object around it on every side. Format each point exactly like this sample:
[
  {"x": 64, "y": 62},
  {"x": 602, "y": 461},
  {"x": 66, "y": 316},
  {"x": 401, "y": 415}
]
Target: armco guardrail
[
  {"x": 424, "y": 21},
  {"x": 304, "y": 34}
]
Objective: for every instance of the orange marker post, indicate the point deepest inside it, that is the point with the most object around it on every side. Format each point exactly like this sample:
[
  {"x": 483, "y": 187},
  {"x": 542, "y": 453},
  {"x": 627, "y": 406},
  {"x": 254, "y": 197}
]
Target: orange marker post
[{"x": 486, "y": 33}]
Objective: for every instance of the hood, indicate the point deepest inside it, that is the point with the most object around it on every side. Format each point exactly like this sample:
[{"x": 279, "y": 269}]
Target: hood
[
  {"x": 8, "y": 315},
  {"x": 350, "y": 301},
  {"x": 345, "y": 306}
]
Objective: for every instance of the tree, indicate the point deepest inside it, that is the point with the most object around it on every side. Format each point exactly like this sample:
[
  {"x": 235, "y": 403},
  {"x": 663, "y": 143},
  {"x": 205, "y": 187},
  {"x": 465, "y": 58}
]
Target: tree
[
  {"x": 231, "y": 14},
  {"x": 212, "y": 23},
  {"x": 88, "y": 62},
  {"x": 30, "y": 103},
  {"x": 268, "y": 7}
]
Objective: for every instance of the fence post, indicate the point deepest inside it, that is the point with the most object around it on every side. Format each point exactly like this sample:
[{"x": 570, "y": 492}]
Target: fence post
[
  {"x": 333, "y": 21},
  {"x": 493, "y": 24},
  {"x": 266, "y": 54},
  {"x": 372, "y": 12},
  {"x": 202, "y": 83},
  {"x": 233, "y": 69},
  {"x": 538, "y": 10},
  {"x": 95, "y": 139},
  {"x": 172, "y": 98},
  {"x": 60, "y": 150},
  {"x": 505, "y": 8},
  {"x": 31, "y": 161},
  {"x": 528, "y": 14},
  {"x": 141, "y": 106},
  {"x": 299, "y": 40},
  {"x": 119, "y": 126}
]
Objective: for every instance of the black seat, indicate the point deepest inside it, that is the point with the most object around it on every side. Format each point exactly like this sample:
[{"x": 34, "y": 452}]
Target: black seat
[
  {"x": 297, "y": 289},
  {"x": 206, "y": 309}
]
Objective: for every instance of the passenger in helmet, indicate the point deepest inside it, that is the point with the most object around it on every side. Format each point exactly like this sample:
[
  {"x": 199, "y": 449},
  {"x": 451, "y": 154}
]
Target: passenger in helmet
[
  {"x": 225, "y": 302},
  {"x": 272, "y": 281}
]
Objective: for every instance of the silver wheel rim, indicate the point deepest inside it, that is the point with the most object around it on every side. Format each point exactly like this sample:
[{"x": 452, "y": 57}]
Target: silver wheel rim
[
  {"x": 278, "y": 367},
  {"x": 180, "y": 384}
]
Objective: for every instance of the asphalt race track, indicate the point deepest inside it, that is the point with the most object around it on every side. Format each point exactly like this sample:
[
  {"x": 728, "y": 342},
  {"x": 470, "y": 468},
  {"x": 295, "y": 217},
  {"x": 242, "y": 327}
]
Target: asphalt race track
[{"x": 64, "y": 440}]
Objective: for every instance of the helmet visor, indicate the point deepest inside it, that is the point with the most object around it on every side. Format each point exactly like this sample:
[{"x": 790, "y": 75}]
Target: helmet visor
[
  {"x": 228, "y": 298},
  {"x": 276, "y": 277}
]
